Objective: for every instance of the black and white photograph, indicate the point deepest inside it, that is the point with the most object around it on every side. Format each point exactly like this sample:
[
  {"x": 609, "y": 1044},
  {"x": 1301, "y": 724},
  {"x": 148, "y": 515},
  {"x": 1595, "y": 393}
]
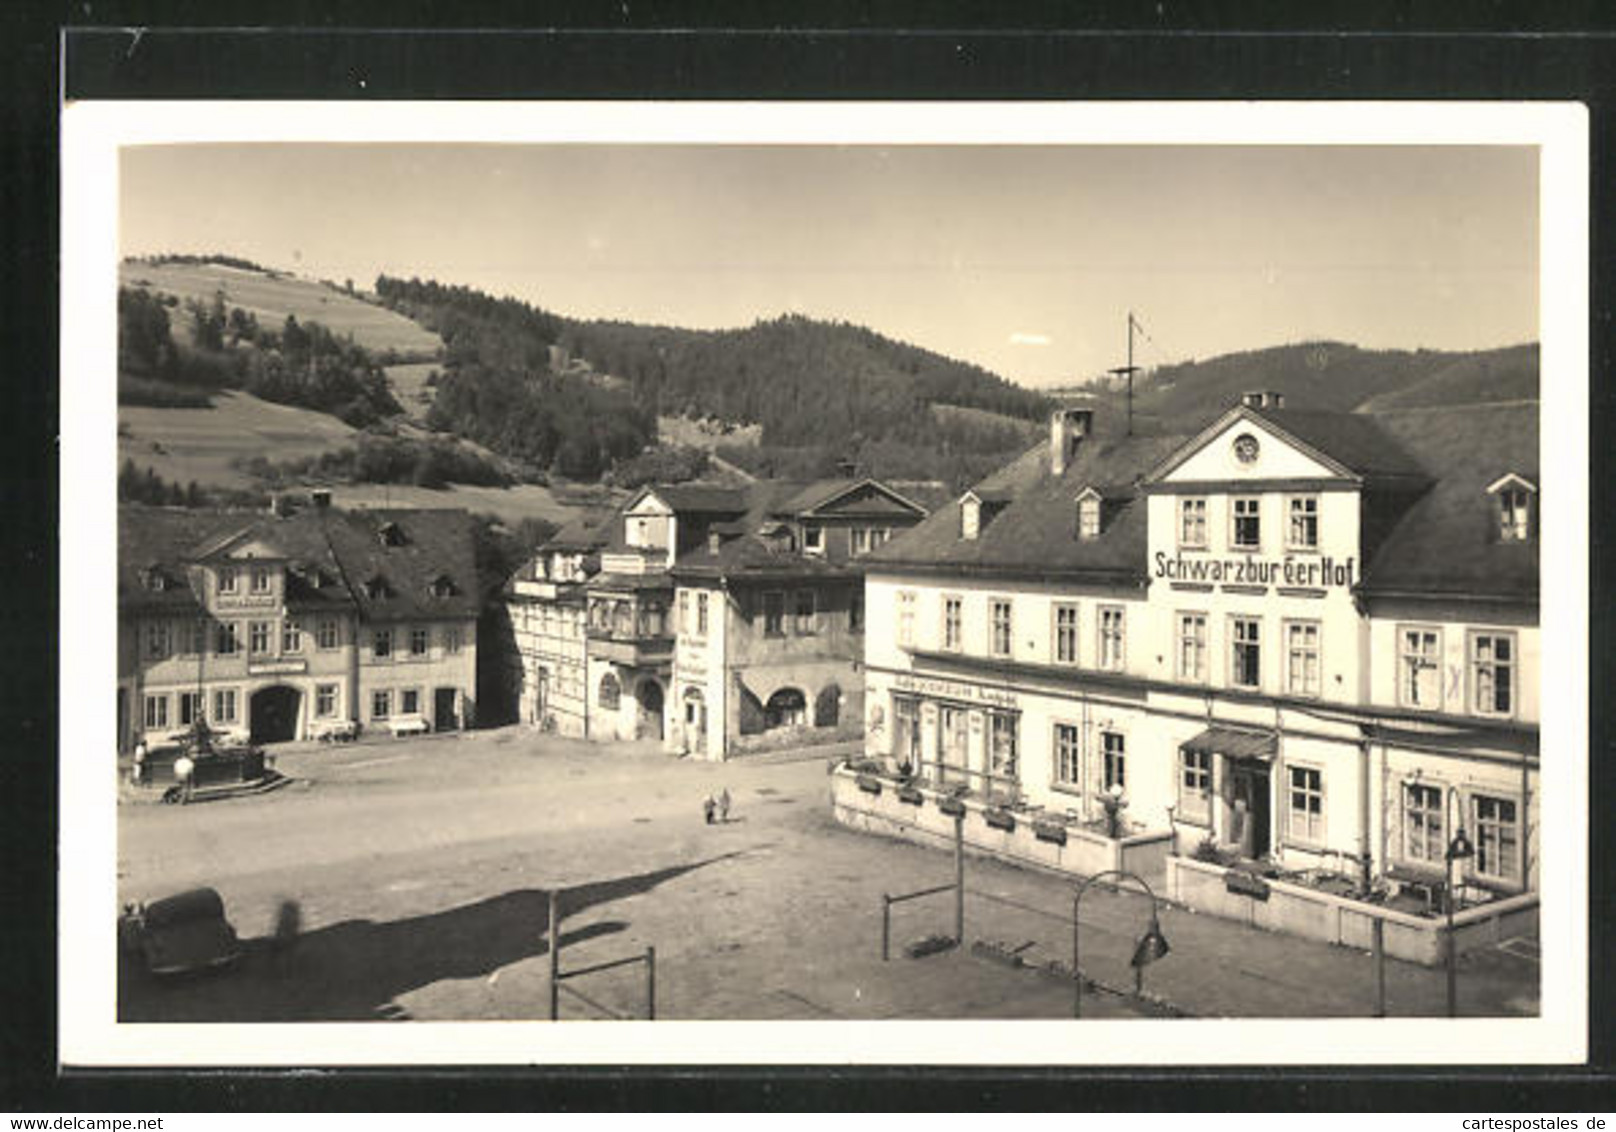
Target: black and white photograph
[{"x": 989, "y": 583}]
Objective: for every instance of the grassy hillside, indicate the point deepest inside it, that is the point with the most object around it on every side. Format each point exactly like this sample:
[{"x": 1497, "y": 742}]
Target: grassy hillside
[
  {"x": 1510, "y": 374},
  {"x": 273, "y": 296}
]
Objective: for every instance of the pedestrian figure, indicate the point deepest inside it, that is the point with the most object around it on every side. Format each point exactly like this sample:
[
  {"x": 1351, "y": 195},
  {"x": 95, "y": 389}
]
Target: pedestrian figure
[
  {"x": 707, "y": 808},
  {"x": 140, "y": 763},
  {"x": 184, "y": 772},
  {"x": 723, "y": 806}
]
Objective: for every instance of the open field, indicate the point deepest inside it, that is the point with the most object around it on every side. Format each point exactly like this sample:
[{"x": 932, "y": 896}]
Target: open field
[
  {"x": 199, "y": 444},
  {"x": 511, "y": 504},
  {"x": 410, "y": 387},
  {"x": 706, "y": 434},
  {"x": 271, "y": 299}
]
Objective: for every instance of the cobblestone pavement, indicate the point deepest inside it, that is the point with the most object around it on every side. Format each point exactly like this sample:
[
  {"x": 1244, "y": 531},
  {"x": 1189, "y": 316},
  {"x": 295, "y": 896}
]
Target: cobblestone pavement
[{"x": 420, "y": 873}]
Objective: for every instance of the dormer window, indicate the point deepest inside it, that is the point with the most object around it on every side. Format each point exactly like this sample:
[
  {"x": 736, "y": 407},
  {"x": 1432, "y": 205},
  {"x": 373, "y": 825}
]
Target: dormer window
[
  {"x": 813, "y": 540},
  {"x": 970, "y": 517},
  {"x": 1516, "y": 497},
  {"x": 1088, "y": 514},
  {"x": 153, "y": 579},
  {"x": 391, "y": 534},
  {"x": 443, "y": 586},
  {"x": 376, "y": 587}
]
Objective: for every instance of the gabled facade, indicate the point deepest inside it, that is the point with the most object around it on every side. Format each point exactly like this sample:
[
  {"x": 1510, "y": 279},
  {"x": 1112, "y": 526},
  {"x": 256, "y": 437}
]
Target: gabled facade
[
  {"x": 281, "y": 628},
  {"x": 1301, "y": 637}
]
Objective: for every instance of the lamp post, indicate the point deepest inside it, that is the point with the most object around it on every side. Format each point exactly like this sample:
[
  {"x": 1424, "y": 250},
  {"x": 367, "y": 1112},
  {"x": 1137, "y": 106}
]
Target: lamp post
[
  {"x": 1151, "y": 946},
  {"x": 1459, "y": 848}
]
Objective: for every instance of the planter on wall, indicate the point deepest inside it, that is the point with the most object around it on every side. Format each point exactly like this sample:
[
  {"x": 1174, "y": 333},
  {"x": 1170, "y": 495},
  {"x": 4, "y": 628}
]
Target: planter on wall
[
  {"x": 953, "y": 807},
  {"x": 1053, "y": 832},
  {"x": 911, "y": 795},
  {"x": 999, "y": 819},
  {"x": 869, "y": 784}
]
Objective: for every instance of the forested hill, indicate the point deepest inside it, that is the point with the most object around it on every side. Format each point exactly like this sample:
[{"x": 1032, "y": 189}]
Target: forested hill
[{"x": 806, "y": 382}]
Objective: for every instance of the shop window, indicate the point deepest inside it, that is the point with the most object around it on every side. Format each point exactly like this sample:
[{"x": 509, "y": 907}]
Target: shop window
[
  {"x": 1492, "y": 673},
  {"x": 1003, "y": 752},
  {"x": 1195, "y": 786},
  {"x": 906, "y": 731},
  {"x": 1420, "y": 667},
  {"x": 1307, "y": 805}
]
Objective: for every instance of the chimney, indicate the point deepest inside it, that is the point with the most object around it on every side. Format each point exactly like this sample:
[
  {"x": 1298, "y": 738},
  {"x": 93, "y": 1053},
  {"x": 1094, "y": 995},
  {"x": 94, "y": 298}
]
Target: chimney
[
  {"x": 321, "y": 497},
  {"x": 1067, "y": 428},
  {"x": 714, "y": 541},
  {"x": 846, "y": 468},
  {"x": 1263, "y": 399}
]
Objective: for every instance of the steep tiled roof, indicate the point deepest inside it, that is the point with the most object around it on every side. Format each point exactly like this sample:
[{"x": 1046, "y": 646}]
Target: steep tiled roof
[
  {"x": 703, "y": 499},
  {"x": 434, "y": 543},
  {"x": 582, "y": 534},
  {"x": 1354, "y": 440},
  {"x": 823, "y": 492}
]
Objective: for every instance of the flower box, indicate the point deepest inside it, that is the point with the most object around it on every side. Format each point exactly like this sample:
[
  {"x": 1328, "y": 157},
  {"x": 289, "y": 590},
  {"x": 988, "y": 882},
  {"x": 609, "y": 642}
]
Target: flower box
[
  {"x": 1051, "y": 831},
  {"x": 911, "y": 795},
  {"x": 953, "y": 807},
  {"x": 869, "y": 784},
  {"x": 999, "y": 819}
]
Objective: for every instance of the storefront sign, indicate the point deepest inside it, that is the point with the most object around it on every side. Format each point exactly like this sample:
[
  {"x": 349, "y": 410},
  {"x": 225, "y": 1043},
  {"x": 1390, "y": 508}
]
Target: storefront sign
[
  {"x": 952, "y": 690},
  {"x": 1244, "y": 884},
  {"x": 1291, "y": 570},
  {"x": 275, "y": 667}
]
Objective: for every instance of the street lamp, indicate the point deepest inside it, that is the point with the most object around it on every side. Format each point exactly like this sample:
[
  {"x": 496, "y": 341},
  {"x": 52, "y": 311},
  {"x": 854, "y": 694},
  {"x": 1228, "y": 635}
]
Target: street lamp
[
  {"x": 1151, "y": 946},
  {"x": 1459, "y": 849}
]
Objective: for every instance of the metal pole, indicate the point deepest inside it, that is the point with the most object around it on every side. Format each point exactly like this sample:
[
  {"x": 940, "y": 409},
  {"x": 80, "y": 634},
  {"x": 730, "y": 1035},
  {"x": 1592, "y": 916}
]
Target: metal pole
[
  {"x": 886, "y": 927},
  {"x": 555, "y": 958},
  {"x": 1377, "y": 935},
  {"x": 650, "y": 984},
  {"x": 1077, "y": 976},
  {"x": 1452, "y": 956},
  {"x": 959, "y": 879}
]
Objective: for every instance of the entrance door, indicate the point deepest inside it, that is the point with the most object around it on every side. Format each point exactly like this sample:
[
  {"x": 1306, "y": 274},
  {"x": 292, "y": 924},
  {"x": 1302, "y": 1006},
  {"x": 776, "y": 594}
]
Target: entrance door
[
  {"x": 443, "y": 710},
  {"x": 695, "y": 722},
  {"x": 1248, "y": 825},
  {"x": 650, "y": 699},
  {"x": 274, "y": 714}
]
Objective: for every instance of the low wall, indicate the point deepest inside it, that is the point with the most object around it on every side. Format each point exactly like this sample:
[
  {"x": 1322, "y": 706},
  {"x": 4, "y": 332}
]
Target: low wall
[
  {"x": 1298, "y": 910},
  {"x": 1084, "y": 854},
  {"x": 787, "y": 738}
]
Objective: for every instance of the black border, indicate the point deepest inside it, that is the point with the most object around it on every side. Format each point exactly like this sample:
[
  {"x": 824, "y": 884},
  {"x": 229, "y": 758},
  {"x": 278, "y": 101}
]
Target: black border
[{"x": 834, "y": 51}]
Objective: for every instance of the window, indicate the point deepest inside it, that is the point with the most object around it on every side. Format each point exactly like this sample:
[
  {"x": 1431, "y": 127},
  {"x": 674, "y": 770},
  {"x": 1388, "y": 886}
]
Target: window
[
  {"x": 611, "y": 692},
  {"x": 381, "y": 704},
  {"x": 1303, "y": 533},
  {"x": 224, "y": 705},
  {"x": 1066, "y": 634},
  {"x": 190, "y": 707},
  {"x": 1002, "y": 748},
  {"x": 1419, "y": 658},
  {"x": 774, "y": 614},
  {"x": 258, "y": 637},
  {"x": 1192, "y": 646},
  {"x": 683, "y": 614},
  {"x": 409, "y": 701},
  {"x": 260, "y": 580},
  {"x": 906, "y": 730},
  {"x": 451, "y": 640},
  {"x": 225, "y": 642},
  {"x": 805, "y": 613},
  {"x": 1068, "y": 756},
  {"x": 860, "y": 540},
  {"x": 953, "y": 636},
  {"x": 1195, "y": 786},
  {"x": 418, "y": 640},
  {"x": 906, "y": 618},
  {"x": 227, "y": 579},
  {"x": 1492, "y": 673},
  {"x": 1302, "y": 658},
  {"x": 1088, "y": 517},
  {"x": 157, "y": 640},
  {"x": 1001, "y": 627},
  {"x": 1111, "y": 641},
  {"x": 1115, "y": 750},
  {"x": 951, "y": 742},
  {"x": 701, "y": 615},
  {"x": 1192, "y": 524},
  {"x": 855, "y": 612},
  {"x": 813, "y": 540},
  {"x": 1246, "y": 662},
  {"x": 326, "y": 633},
  {"x": 1423, "y": 836},
  {"x": 193, "y": 637},
  {"x": 381, "y": 644},
  {"x": 970, "y": 519},
  {"x": 1514, "y": 514},
  {"x": 1247, "y": 533},
  {"x": 1307, "y": 804},
  {"x": 325, "y": 700},
  {"x": 291, "y": 636},
  {"x": 156, "y": 712},
  {"x": 1497, "y": 838}
]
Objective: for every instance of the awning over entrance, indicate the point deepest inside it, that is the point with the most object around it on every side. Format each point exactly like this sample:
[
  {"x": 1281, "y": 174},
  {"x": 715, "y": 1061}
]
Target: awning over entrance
[{"x": 1234, "y": 744}]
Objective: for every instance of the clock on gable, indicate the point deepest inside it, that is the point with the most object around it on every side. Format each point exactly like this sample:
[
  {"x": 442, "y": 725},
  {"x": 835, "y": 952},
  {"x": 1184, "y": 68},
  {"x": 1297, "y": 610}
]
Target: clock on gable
[{"x": 1246, "y": 448}]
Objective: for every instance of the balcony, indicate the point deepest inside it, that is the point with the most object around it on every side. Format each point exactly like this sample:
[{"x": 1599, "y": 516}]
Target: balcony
[{"x": 635, "y": 649}]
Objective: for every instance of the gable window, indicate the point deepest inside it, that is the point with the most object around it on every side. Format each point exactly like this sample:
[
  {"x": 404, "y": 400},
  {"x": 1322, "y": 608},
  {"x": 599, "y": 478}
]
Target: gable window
[
  {"x": 1423, "y": 838},
  {"x": 1066, "y": 634},
  {"x": 1497, "y": 838},
  {"x": 774, "y": 614},
  {"x": 1192, "y": 524},
  {"x": 860, "y": 540},
  {"x": 227, "y": 579},
  {"x": 291, "y": 635},
  {"x": 1001, "y": 627},
  {"x": 1245, "y": 669},
  {"x": 1111, "y": 638},
  {"x": 258, "y": 637},
  {"x": 157, "y": 640},
  {"x": 1303, "y": 533},
  {"x": 1088, "y": 517},
  {"x": 1115, "y": 750},
  {"x": 1514, "y": 514},
  {"x": 1068, "y": 756},
  {"x": 381, "y": 644},
  {"x": 418, "y": 640},
  {"x": 1307, "y": 804},
  {"x": 1194, "y": 786},
  {"x": 156, "y": 712},
  {"x": 1192, "y": 646},
  {"x": 224, "y": 639},
  {"x": 443, "y": 586},
  {"x": 224, "y": 705},
  {"x": 813, "y": 540},
  {"x": 326, "y": 633},
  {"x": 906, "y": 618},
  {"x": 1302, "y": 658},
  {"x": 1492, "y": 673},
  {"x": 260, "y": 580},
  {"x": 1247, "y": 516},
  {"x": 381, "y": 703},
  {"x": 1420, "y": 667},
  {"x": 953, "y": 614},
  {"x": 879, "y": 536}
]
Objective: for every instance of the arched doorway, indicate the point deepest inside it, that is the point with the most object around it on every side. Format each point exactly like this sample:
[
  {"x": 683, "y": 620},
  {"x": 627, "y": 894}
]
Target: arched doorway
[
  {"x": 273, "y": 714},
  {"x": 650, "y": 722},
  {"x": 786, "y": 708},
  {"x": 828, "y": 706}
]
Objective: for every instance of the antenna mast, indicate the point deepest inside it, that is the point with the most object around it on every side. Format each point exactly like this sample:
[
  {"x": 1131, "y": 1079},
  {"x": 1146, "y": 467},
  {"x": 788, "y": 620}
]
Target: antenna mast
[{"x": 1130, "y": 369}]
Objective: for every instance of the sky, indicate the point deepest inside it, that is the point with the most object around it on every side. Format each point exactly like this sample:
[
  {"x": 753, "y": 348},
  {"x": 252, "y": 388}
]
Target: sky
[{"x": 1025, "y": 260}]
